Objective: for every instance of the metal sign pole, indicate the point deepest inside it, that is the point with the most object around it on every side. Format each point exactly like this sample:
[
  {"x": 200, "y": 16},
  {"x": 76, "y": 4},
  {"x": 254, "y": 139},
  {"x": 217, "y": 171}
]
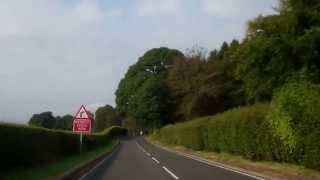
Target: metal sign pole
[{"x": 81, "y": 138}]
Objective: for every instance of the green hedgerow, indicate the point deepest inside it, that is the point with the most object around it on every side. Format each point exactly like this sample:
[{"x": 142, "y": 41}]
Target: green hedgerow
[{"x": 295, "y": 117}]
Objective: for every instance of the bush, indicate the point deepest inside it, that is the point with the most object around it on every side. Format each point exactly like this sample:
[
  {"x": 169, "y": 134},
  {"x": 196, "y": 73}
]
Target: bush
[
  {"x": 186, "y": 134},
  {"x": 242, "y": 131},
  {"x": 23, "y": 146},
  {"x": 288, "y": 130},
  {"x": 295, "y": 118}
]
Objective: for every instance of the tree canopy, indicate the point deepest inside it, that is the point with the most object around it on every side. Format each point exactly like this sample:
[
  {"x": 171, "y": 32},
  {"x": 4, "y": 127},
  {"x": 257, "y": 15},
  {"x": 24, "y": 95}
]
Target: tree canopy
[
  {"x": 106, "y": 117},
  {"x": 142, "y": 94},
  {"x": 47, "y": 120},
  {"x": 279, "y": 46}
]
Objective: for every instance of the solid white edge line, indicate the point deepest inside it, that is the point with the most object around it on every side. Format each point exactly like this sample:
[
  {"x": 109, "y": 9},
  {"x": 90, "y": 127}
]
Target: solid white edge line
[
  {"x": 215, "y": 164},
  {"x": 220, "y": 166},
  {"x": 148, "y": 154},
  {"x": 156, "y": 160},
  {"x": 97, "y": 165},
  {"x": 169, "y": 172}
]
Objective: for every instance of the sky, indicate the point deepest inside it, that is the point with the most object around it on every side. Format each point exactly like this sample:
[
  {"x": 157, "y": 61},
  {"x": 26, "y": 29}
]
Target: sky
[{"x": 56, "y": 55}]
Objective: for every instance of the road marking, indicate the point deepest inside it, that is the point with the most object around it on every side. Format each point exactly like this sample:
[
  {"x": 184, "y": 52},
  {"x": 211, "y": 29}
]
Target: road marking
[
  {"x": 156, "y": 160},
  {"x": 100, "y": 163},
  {"x": 140, "y": 147},
  {"x": 169, "y": 172},
  {"x": 219, "y": 165},
  {"x": 215, "y": 164}
]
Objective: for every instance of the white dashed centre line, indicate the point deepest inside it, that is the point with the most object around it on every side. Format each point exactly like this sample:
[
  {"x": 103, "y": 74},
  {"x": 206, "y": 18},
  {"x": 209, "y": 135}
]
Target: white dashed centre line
[
  {"x": 156, "y": 160},
  {"x": 171, "y": 173},
  {"x": 140, "y": 147}
]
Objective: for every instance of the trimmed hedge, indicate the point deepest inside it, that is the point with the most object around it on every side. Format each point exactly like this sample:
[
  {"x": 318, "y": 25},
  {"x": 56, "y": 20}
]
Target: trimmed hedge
[
  {"x": 23, "y": 146},
  {"x": 188, "y": 134},
  {"x": 244, "y": 131}
]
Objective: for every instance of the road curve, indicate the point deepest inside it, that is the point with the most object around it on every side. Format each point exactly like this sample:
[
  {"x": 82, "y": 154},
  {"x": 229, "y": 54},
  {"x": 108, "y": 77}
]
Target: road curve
[{"x": 136, "y": 159}]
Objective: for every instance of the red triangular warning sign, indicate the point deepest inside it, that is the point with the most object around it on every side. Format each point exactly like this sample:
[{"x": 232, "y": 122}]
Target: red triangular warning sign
[{"x": 82, "y": 113}]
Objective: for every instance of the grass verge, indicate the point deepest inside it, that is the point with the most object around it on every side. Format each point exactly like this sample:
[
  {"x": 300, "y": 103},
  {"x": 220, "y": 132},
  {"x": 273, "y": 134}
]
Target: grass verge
[
  {"x": 55, "y": 170},
  {"x": 274, "y": 170}
]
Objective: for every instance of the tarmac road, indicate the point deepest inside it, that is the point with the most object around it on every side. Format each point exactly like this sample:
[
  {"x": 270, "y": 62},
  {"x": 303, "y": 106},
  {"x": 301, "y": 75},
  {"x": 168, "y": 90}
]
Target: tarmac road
[{"x": 136, "y": 159}]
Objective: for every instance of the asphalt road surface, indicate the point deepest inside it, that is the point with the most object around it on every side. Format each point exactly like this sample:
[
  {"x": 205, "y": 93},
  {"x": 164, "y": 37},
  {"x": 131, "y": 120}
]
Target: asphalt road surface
[{"x": 136, "y": 159}]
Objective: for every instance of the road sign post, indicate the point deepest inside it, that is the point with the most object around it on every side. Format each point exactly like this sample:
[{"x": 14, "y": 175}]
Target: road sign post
[
  {"x": 81, "y": 139},
  {"x": 82, "y": 124}
]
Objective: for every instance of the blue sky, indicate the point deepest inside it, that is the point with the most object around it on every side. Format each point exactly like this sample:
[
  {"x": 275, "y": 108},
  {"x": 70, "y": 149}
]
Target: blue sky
[{"x": 57, "y": 55}]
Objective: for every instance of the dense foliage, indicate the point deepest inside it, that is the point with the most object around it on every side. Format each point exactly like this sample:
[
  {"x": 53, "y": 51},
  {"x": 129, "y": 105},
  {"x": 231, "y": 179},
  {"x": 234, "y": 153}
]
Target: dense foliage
[
  {"x": 106, "y": 117},
  {"x": 47, "y": 120},
  {"x": 242, "y": 131},
  {"x": 204, "y": 86},
  {"x": 23, "y": 146},
  {"x": 280, "y": 46},
  {"x": 180, "y": 88},
  {"x": 294, "y": 116},
  {"x": 143, "y": 95}
]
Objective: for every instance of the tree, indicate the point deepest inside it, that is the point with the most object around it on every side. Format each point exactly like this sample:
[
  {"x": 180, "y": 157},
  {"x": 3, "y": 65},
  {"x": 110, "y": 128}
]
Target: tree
[
  {"x": 106, "y": 117},
  {"x": 64, "y": 123},
  {"x": 224, "y": 48},
  {"x": 213, "y": 55},
  {"x": 151, "y": 104},
  {"x": 279, "y": 46},
  {"x": 132, "y": 96},
  {"x": 204, "y": 87},
  {"x": 45, "y": 119}
]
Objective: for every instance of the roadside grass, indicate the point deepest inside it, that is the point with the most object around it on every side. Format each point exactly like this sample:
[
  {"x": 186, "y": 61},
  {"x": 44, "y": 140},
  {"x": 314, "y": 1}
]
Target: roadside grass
[
  {"x": 55, "y": 170},
  {"x": 275, "y": 170}
]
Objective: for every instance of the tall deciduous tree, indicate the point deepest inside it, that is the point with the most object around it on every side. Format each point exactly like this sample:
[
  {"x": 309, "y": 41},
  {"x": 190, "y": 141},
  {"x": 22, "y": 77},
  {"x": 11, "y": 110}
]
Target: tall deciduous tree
[
  {"x": 142, "y": 94},
  {"x": 279, "y": 46},
  {"x": 204, "y": 87}
]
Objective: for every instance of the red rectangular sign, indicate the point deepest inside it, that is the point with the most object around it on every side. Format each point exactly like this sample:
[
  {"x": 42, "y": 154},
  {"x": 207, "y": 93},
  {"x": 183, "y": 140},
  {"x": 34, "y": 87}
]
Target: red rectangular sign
[{"x": 82, "y": 125}]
